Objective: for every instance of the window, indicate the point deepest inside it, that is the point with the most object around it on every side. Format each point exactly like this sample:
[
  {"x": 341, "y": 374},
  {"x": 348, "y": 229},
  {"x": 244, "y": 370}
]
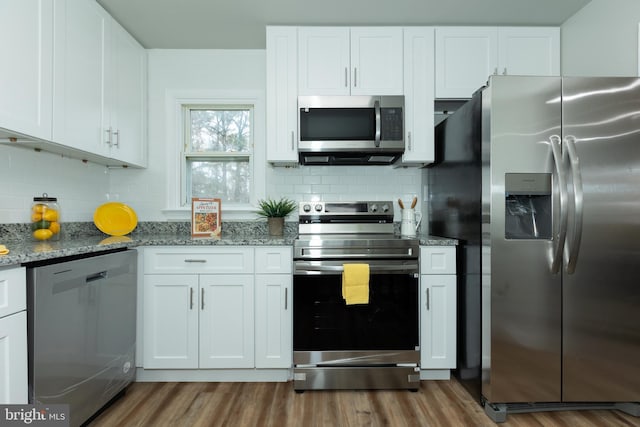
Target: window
[{"x": 217, "y": 157}]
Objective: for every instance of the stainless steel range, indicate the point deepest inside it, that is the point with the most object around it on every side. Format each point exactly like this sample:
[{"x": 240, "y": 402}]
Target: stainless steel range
[{"x": 362, "y": 346}]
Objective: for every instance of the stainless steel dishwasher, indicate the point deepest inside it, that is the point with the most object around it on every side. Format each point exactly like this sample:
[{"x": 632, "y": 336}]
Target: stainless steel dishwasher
[{"x": 82, "y": 331}]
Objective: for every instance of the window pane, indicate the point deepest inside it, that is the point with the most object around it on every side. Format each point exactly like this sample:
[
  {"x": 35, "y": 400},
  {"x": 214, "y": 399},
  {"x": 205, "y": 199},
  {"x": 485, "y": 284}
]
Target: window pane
[
  {"x": 220, "y": 130},
  {"x": 228, "y": 180}
]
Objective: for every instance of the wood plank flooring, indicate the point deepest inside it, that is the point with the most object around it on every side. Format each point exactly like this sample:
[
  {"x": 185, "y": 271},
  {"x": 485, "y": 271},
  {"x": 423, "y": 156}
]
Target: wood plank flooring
[{"x": 438, "y": 403}]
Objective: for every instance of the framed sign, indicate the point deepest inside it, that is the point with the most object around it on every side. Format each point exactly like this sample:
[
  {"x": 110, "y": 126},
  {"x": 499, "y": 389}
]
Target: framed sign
[{"x": 205, "y": 217}]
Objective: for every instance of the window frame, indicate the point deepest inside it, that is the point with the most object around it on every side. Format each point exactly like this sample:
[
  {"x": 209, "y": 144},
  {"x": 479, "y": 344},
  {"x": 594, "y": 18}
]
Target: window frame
[
  {"x": 186, "y": 181},
  {"x": 175, "y": 103}
]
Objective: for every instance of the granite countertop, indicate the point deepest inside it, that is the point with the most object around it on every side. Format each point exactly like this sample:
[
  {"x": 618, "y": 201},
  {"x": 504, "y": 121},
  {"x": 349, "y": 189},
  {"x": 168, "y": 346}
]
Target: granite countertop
[{"x": 26, "y": 251}]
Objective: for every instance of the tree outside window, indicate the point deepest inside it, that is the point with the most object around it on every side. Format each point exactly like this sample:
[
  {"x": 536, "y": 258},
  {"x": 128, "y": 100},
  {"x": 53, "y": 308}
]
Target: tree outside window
[{"x": 218, "y": 152}]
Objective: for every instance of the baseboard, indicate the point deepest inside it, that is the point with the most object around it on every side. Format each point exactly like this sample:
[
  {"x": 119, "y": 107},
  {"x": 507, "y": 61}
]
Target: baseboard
[{"x": 213, "y": 375}]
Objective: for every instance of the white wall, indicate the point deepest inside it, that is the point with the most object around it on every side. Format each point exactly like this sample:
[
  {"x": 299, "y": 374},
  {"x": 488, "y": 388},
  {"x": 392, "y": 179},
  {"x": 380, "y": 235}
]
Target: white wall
[
  {"x": 602, "y": 39},
  {"x": 25, "y": 174},
  {"x": 228, "y": 70}
]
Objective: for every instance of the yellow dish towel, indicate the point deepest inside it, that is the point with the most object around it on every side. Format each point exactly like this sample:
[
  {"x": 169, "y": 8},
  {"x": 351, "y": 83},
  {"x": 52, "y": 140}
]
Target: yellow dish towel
[
  {"x": 3, "y": 250},
  {"x": 355, "y": 283}
]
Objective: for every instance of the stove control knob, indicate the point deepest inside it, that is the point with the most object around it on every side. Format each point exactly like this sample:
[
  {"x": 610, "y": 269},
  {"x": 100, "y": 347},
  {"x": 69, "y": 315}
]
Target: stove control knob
[
  {"x": 318, "y": 208},
  {"x": 306, "y": 207},
  {"x": 374, "y": 208},
  {"x": 385, "y": 208}
]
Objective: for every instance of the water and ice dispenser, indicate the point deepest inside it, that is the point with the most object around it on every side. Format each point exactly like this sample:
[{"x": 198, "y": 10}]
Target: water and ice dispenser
[{"x": 528, "y": 208}]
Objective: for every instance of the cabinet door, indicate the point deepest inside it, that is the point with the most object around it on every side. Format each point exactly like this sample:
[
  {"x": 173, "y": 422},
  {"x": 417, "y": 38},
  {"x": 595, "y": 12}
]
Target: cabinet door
[
  {"x": 13, "y": 290},
  {"x": 26, "y": 48},
  {"x": 323, "y": 61},
  {"x": 282, "y": 94},
  {"x": 171, "y": 309},
  {"x": 127, "y": 78},
  {"x": 438, "y": 322},
  {"x": 81, "y": 45},
  {"x": 376, "y": 61},
  {"x": 465, "y": 58},
  {"x": 532, "y": 51},
  {"x": 418, "y": 99},
  {"x": 13, "y": 359},
  {"x": 273, "y": 309},
  {"x": 226, "y": 321}
]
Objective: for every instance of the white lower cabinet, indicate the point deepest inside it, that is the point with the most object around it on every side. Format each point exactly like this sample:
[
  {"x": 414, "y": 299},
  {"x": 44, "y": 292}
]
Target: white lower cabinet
[
  {"x": 274, "y": 311},
  {"x": 437, "y": 311},
  {"x": 13, "y": 337},
  {"x": 194, "y": 318},
  {"x": 226, "y": 321}
]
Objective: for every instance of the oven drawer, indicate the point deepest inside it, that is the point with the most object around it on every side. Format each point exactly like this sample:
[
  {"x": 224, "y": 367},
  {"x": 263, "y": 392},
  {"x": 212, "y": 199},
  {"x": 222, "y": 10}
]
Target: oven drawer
[
  {"x": 197, "y": 260},
  {"x": 437, "y": 260}
]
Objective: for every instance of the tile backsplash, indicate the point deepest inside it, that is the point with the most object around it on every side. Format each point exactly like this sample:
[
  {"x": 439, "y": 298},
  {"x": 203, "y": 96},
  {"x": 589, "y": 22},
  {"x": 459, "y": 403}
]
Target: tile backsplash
[
  {"x": 339, "y": 183},
  {"x": 25, "y": 174}
]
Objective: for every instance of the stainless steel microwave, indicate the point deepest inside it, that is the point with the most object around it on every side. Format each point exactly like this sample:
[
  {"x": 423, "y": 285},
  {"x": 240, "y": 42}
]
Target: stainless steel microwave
[{"x": 350, "y": 130}]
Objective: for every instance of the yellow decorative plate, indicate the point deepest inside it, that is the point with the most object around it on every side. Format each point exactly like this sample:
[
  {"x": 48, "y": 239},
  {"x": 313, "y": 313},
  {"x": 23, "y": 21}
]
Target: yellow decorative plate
[{"x": 115, "y": 219}]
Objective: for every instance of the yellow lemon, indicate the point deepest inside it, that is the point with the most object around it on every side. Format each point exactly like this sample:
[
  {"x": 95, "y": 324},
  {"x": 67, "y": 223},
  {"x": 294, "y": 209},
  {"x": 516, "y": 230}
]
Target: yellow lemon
[
  {"x": 42, "y": 234},
  {"x": 50, "y": 215},
  {"x": 35, "y": 217},
  {"x": 54, "y": 227},
  {"x": 39, "y": 208}
]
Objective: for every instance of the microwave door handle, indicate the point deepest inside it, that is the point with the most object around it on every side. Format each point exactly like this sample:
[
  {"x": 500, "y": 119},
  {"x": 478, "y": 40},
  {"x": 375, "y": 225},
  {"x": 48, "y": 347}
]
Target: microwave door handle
[{"x": 376, "y": 105}]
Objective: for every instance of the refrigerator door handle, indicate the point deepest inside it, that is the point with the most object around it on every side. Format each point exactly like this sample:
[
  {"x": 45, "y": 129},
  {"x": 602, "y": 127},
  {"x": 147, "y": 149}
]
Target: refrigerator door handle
[
  {"x": 556, "y": 255},
  {"x": 574, "y": 162}
]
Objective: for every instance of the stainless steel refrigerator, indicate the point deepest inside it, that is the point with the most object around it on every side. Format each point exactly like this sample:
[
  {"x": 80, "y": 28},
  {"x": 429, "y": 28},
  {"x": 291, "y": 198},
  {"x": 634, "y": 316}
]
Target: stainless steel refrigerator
[{"x": 539, "y": 179}]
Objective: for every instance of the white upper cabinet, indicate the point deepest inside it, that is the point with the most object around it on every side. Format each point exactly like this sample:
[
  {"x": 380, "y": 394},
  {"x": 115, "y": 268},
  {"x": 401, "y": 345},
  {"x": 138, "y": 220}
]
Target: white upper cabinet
[
  {"x": 532, "y": 51},
  {"x": 350, "y": 61},
  {"x": 282, "y": 94},
  {"x": 100, "y": 85},
  {"x": 467, "y": 56},
  {"x": 376, "y": 61},
  {"x": 26, "y": 74},
  {"x": 127, "y": 104},
  {"x": 82, "y": 34},
  {"x": 419, "y": 95}
]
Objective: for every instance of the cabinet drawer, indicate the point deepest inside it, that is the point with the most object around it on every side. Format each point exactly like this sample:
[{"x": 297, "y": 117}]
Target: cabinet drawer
[
  {"x": 274, "y": 260},
  {"x": 438, "y": 260},
  {"x": 13, "y": 290},
  {"x": 227, "y": 260}
]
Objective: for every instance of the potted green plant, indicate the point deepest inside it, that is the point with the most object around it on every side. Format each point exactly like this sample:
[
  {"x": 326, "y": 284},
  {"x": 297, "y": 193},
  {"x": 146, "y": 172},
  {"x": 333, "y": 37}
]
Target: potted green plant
[{"x": 275, "y": 211}]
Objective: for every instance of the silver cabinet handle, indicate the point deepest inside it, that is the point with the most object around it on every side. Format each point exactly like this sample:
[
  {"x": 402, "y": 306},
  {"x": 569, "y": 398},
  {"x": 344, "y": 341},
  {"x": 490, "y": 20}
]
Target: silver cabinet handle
[
  {"x": 286, "y": 298},
  {"x": 556, "y": 256},
  {"x": 495, "y": 71},
  {"x": 190, "y": 298},
  {"x": 346, "y": 77},
  {"x": 409, "y": 140},
  {"x": 195, "y": 260},
  {"x": 504, "y": 71},
  {"x": 116, "y": 134},
  {"x": 202, "y": 299},
  {"x": 293, "y": 147},
  {"x": 355, "y": 77},
  {"x": 109, "y": 136},
  {"x": 576, "y": 178},
  {"x": 428, "y": 299}
]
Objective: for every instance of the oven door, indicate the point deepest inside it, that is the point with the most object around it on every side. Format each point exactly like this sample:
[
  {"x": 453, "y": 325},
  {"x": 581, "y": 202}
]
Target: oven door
[{"x": 327, "y": 332}]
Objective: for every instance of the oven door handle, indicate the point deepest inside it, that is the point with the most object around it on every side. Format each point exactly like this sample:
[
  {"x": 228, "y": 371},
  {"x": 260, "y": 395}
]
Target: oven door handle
[{"x": 308, "y": 268}]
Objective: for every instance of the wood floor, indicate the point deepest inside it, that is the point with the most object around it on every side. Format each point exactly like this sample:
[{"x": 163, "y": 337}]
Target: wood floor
[{"x": 438, "y": 403}]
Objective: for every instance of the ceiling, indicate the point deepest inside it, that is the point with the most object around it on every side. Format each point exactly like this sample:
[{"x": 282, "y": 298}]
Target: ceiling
[{"x": 240, "y": 24}]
